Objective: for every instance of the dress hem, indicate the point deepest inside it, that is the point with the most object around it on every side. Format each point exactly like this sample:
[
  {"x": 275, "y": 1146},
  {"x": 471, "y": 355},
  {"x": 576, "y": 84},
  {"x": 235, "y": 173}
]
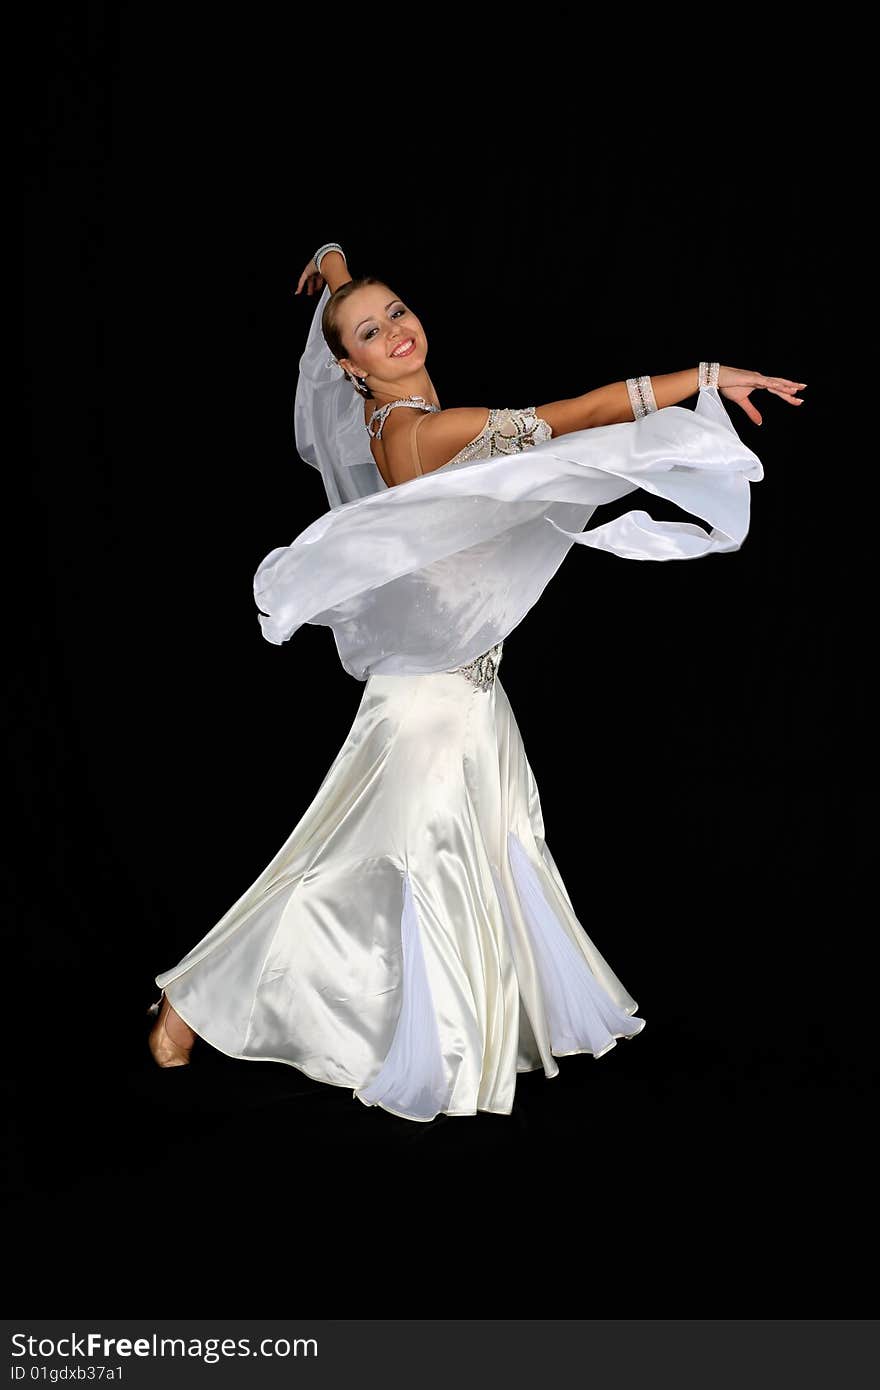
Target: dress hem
[{"x": 420, "y": 1119}]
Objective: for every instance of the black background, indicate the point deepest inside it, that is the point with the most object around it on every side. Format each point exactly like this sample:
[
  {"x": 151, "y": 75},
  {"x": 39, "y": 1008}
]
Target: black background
[{"x": 564, "y": 205}]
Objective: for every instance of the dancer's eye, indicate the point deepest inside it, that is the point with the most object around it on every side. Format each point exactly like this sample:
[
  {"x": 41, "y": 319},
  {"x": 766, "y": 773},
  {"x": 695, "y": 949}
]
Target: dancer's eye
[{"x": 375, "y": 330}]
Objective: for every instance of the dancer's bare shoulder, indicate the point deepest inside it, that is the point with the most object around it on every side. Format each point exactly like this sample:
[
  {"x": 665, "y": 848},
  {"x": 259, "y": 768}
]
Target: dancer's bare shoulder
[{"x": 415, "y": 439}]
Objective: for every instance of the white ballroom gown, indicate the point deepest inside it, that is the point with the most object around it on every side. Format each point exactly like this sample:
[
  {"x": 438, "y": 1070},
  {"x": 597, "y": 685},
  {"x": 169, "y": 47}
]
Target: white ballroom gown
[{"x": 413, "y": 939}]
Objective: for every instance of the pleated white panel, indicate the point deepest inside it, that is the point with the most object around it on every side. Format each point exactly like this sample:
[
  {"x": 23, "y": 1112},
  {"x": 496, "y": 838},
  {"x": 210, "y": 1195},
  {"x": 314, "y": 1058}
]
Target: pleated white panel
[
  {"x": 411, "y": 1082},
  {"x": 581, "y": 1016}
]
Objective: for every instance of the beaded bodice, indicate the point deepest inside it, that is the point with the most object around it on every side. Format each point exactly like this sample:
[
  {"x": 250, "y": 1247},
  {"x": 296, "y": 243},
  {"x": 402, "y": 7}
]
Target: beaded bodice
[{"x": 506, "y": 431}]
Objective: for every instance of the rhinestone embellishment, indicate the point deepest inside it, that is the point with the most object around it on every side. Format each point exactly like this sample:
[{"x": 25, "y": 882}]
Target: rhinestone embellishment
[
  {"x": 506, "y": 432},
  {"x": 481, "y": 671},
  {"x": 380, "y": 414}
]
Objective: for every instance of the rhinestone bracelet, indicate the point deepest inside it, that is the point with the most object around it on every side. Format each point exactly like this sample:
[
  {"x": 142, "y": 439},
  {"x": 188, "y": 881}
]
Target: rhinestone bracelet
[
  {"x": 641, "y": 395},
  {"x": 328, "y": 246},
  {"x": 708, "y": 374}
]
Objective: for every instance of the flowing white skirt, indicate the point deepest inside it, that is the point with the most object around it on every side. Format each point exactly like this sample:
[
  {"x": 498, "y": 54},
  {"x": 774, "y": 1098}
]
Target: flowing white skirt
[{"x": 412, "y": 939}]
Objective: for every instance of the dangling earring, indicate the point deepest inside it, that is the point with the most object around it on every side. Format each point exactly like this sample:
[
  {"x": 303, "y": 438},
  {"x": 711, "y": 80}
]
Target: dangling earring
[{"x": 358, "y": 382}]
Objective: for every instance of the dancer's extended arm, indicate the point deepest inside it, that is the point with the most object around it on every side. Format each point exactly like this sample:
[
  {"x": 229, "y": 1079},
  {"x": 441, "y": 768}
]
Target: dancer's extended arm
[{"x": 610, "y": 405}]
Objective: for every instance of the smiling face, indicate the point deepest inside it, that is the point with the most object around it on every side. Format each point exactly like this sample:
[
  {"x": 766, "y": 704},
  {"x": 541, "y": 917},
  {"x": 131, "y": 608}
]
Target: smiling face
[{"x": 374, "y": 325}]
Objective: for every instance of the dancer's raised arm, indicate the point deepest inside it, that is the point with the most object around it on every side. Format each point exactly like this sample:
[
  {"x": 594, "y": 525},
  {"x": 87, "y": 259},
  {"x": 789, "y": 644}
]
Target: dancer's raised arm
[{"x": 334, "y": 271}]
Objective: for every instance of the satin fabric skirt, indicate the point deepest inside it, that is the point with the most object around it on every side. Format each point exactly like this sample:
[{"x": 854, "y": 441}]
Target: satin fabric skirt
[{"x": 412, "y": 939}]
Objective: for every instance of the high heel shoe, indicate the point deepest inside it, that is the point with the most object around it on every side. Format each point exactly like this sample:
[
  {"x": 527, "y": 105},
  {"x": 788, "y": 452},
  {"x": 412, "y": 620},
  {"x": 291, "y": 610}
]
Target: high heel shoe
[{"x": 166, "y": 1052}]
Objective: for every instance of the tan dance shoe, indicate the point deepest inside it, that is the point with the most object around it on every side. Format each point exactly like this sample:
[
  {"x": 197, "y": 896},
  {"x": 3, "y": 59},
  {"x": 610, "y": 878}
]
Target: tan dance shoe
[{"x": 168, "y": 1051}]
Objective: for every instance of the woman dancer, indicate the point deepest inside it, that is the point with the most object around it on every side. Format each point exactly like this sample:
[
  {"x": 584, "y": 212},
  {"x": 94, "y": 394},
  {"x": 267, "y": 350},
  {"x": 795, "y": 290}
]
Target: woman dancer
[{"x": 413, "y": 939}]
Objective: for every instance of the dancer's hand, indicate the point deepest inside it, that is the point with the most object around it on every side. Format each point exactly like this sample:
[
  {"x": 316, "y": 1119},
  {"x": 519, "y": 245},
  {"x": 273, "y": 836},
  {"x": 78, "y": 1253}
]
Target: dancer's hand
[
  {"x": 737, "y": 386},
  {"x": 311, "y": 278}
]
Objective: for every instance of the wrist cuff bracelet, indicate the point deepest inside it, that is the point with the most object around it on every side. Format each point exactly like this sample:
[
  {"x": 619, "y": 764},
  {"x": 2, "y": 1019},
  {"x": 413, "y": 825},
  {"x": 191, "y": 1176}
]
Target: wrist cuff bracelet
[
  {"x": 322, "y": 250},
  {"x": 641, "y": 395}
]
